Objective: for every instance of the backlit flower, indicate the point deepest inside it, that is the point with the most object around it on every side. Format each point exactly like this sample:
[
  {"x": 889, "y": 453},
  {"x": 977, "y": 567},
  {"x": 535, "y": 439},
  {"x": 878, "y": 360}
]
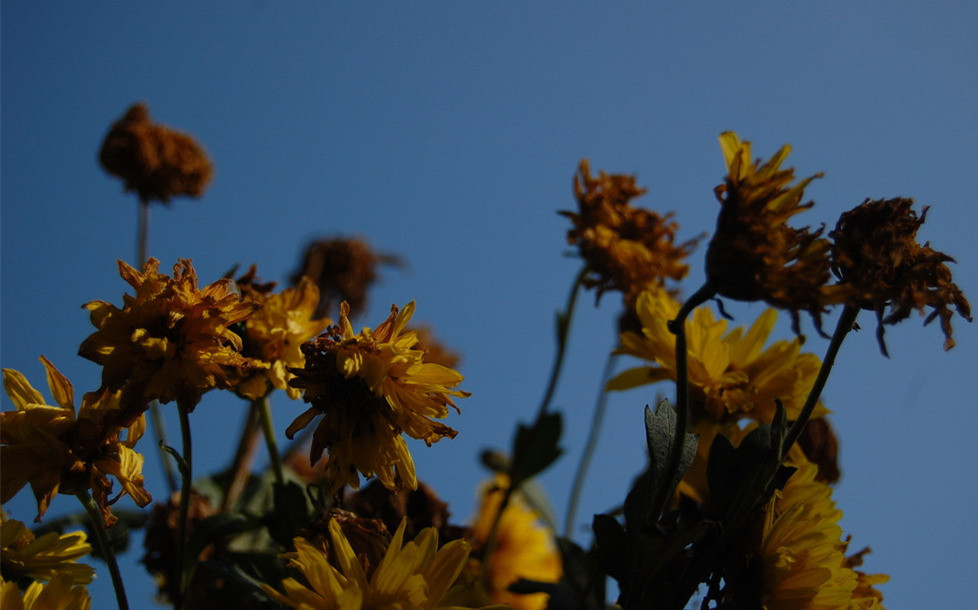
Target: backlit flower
[
  {"x": 273, "y": 334},
  {"x": 524, "y": 548},
  {"x": 626, "y": 248},
  {"x": 155, "y": 161},
  {"x": 731, "y": 374},
  {"x": 876, "y": 254},
  {"x": 59, "y": 594},
  {"x": 171, "y": 341},
  {"x": 54, "y": 450},
  {"x": 23, "y": 555},
  {"x": 415, "y": 574},
  {"x": 369, "y": 387},
  {"x": 754, "y": 255}
]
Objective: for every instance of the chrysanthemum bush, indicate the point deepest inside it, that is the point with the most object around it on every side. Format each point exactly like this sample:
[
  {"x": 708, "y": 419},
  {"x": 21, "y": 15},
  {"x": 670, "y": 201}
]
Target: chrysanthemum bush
[{"x": 733, "y": 507}]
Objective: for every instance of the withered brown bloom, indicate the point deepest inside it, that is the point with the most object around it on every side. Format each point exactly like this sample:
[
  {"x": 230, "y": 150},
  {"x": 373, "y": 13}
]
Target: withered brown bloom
[
  {"x": 754, "y": 255},
  {"x": 155, "y": 161},
  {"x": 626, "y": 248},
  {"x": 343, "y": 269},
  {"x": 875, "y": 253}
]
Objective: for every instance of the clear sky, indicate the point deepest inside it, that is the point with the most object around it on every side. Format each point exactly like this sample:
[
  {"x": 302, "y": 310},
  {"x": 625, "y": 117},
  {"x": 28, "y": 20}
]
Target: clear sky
[{"x": 448, "y": 133}]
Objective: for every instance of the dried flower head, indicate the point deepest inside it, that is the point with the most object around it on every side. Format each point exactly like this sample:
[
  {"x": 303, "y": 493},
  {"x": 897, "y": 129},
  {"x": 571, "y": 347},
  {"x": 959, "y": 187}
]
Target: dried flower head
[
  {"x": 155, "y": 161},
  {"x": 54, "y": 450},
  {"x": 626, "y": 248},
  {"x": 421, "y": 507},
  {"x": 875, "y": 253},
  {"x": 343, "y": 269},
  {"x": 369, "y": 387},
  {"x": 754, "y": 255},
  {"x": 273, "y": 334},
  {"x": 171, "y": 341}
]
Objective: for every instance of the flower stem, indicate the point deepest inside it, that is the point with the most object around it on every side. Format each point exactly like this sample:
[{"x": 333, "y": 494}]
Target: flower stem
[
  {"x": 243, "y": 457},
  {"x": 108, "y": 553},
  {"x": 185, "y": 490},
  {"x": 847, "y": 321},
  {"x": 678, "y": 328},
  {"x": 265, "y": 416},
  {"x": 159, "y": 430},
  {"x": 563, "y": 332},
  {"x": 597, "y": 419}
]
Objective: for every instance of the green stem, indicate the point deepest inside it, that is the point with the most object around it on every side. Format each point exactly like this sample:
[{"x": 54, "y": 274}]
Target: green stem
[
  {"x": 265, "y": 416},
  {"x": 159, "y": 430},
  {"x": 108, "y": 553},
  {"x": 185, "y": 490},
  {"x": 597, "y": 419},
  {"x": 142, "y": 239},
  {"x": 847, "y": 320},
  {"x": 563, "y": 332}
]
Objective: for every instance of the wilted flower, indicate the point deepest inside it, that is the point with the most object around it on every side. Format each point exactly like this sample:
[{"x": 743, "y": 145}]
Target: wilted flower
[
  {"x": 155, "y": 161},
  {"x": 876, "y": 254},
  {"x": 370, "y": 387},
  {"x": 626, "y": 248},
  {"x": 414, "y": 574},
  {"x": 59, "y": 594},
  {"x": 754, "y": 255},
  {"x": 731, "y": 374},
  {"x": 273, "y": 334},
  {"x": 524, "y": 547},
  {"x": 24, "y": 555},
  {"x": 343, "y": 269},
  {"x": 171, "y": 341},
  {"x": 53, "y": 450},
  {"x": 421, "y": 507}
]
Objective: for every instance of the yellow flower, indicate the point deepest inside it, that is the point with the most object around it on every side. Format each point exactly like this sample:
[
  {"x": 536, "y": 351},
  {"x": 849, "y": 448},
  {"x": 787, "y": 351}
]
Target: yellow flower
[
  {"x": 53, "y": 450},
  {"x": 754, "y": 255},
  {"x": 273, "y": 335},
  {"x": 524, "y": 548},
  {"x": 42, "y": 558},
  {"x": 59, "y": 594},
  {"x": 155, "y": 161},
  {"x": 369, "y": 387},
  {"x": 731, "y": 374},
  {"x": 626, "y": 248},
  {"x": 170, "y": 341},
  {"x": 415, "y": 574},
  {"x": 876, "y": 254}
]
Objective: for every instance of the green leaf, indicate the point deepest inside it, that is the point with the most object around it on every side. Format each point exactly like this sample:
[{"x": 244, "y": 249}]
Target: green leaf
[
  {"x": 216, "y": 527},
  {"x": 290, "y": 512},
  {"x": 611, "y": 546},
  {"x": 535, "y": 447}
]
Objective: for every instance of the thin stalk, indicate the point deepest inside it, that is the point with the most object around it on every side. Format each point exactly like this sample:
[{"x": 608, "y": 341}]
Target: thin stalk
[
  {"x": 847, "y": 321},
  {"x": 159, "y": 430},
  {"x": 265, "y": 417},
  {"x": 108, "y": 553},
  {"x": 185, "y": 490},
  {"x": 597, "y": 419},
  {"x": 563, "y": 332},
  {"x": 243, "y": 458}
]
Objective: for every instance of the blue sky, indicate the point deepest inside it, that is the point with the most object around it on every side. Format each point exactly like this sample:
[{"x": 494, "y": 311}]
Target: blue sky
[{"x": 448, "y": 133}]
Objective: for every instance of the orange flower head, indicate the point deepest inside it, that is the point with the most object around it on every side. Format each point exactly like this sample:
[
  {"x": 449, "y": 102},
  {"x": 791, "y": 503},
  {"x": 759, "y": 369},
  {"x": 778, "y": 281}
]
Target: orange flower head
[
  {"x": 876, "y": 254},
  {"x": 171, "y": 340},
  {"x": 626, "y": 248},
  {"x": 53, "y": 450},
  {"x": 369, "y": 387},
  {"x": 754, "y": 255},
  {"x": 156, "y": 162}
]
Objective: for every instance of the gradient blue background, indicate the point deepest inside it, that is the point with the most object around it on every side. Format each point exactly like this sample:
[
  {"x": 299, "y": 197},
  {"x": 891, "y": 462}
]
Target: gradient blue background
[{"x": 448, "y": 133}]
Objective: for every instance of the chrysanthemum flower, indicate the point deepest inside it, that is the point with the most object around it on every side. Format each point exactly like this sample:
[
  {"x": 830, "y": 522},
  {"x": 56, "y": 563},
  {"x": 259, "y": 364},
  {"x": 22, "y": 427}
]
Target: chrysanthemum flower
[
  {"x": 415, "y": 574},
  {"x": 171, "y": 341},
  {"x": 59, "y": 594},
  {"x": 273, "y": 335},
  {"x": 626, "y": 248},
  {"x": 754, "y": 255},
  {"x": 876, "y": 254},
  {"x": 731, "y": 374},
  {"x": 343, "y": 269},
  {"x": 155, "y": 161},
  {"x": 799, "y": 553},
  {"x": 370, "y": 387},
  {"x": 524, "y": 547},
  {"x": 53, "y": 450},
  {"x": 51, "y": 555}
]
